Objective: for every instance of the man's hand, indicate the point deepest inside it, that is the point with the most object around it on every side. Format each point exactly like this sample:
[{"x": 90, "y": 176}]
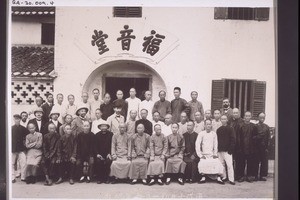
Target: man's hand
[
  {"x": 214, "y": 156},
  {"x": 114, "y": 157},
  {"x": 100, "y": 157},
  {"x": 109, "y": 157}
]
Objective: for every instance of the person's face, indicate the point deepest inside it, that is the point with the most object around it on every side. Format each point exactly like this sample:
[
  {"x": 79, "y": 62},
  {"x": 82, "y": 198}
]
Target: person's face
[
  {"x": 50, "y": 98},
  {"x": 148, "y": 95},
  {"x": 217, "y": 114},
  {"x": 226, "y": 103},
  {"x": 132, "y": 92},
  {"x": 144, "y": 114},
  {"x": 190, "y": 127},
  {"x": 60, "y": 98},
  {"x": 54, "y": 116},
  {"x": 24, "y": 116},
  {"x": 157, "y": 130},
  {"x": 86, "y": 127},
  {"x": 198, "y": 116},
  {"x": 85, "y": 97},
  {"x": 183, "y": 117},
  {"x": 162, "y": 96},
  {"x": 156, "y": 116},
  {"x": 107, "y": 98},
  {"x": 17, "y": 121},
  {"x": 117, "y": 110},
  {"x": 194, "y": 96},
  {"x": 236, "y": 113},
  {"x": 122, "y": 128},
  {"x": 140, "y": 128},
  {"x": 68, "y": 130},
  {"x": 247, "y": 116},
  {"x": 96, "y": 94},
  {"x": 68, "y": 119},
  {"x": 31, "y": 128},
  {"x": 133, "y": 114},
  {"x": 208, "y": 125},
  {"x": 103, "y": 127},
  {"x": 82, "y": 112},
  {"x": 174, "y": 128},
  {"x": 261, "y": 117},
  {"x": 98, "y": 114},
  {"x": 38, "y": 102},
  {"x": 224, "y": 120},
  {"x": 207, "y": 114},
  {"x": 51, "y": 128},
  {"x": 71, "y": 100},
  {"x": 176, "y": 93},
  {"x": 38, "y": 115},
  {"x": 120, "y": 95},
  {"x": 168, "y": 119}
]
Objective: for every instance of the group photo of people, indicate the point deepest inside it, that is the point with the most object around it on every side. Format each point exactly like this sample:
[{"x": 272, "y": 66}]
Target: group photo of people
[{"x": 137, "y": 141}]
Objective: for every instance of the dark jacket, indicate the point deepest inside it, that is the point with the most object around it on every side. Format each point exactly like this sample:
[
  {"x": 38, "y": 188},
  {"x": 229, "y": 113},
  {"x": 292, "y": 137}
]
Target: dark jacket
[
  {"x": 107, "y": 110},
  {"x": 67, "y": 148},
  {"x": 147, "y": 124},
  {"x": 262, "y": 139},
  {"x": 47, "y": 109},
  {"x": 236, "y": 124},
  {"x": 57, "y": 128},
  {"x": 51, "y": 146},
  {"x": 18, "y": 138},
  {"x": 43, "y": 129},
  {"x": 85, "y": 146},
  {"x": 246, "y": 141},
  {"x": 123, "y": 104},
  {"x": 226, "y": 139},
  {"x": 102, "y": 143},
  {"x": 190, "y": 147}
]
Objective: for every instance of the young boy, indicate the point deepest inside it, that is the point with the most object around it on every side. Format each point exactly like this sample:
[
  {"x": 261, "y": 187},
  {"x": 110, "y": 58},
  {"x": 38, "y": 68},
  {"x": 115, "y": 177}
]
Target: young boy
[
  {"x": 226, "y": 145},
  {"x": 67, "y": 155}
]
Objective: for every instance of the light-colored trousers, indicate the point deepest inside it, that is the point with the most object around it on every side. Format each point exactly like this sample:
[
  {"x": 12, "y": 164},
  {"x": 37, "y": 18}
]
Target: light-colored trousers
[
  {"x": 18, "y": 158},
  {"x": 226, "y": 159}
]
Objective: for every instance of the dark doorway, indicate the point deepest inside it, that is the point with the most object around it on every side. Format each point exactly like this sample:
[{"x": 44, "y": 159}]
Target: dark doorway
[{"x": 112, "y": 84}]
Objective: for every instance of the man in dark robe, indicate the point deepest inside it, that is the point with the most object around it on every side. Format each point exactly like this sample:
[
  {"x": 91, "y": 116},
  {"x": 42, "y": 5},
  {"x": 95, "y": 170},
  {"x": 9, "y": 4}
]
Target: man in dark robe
[
  {"x": 107, "y": 107},
  {"x": 178, "y": 105},
  {"x": 47, "y": 107},
  {"x": 147, "y": 124},
  {"x": 121, "y": 103},
  {"x": 39, "y": 122}
]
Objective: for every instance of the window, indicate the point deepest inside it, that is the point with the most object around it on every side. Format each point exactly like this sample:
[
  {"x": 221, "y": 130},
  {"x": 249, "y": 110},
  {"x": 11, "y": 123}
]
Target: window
[
  {"x": 48, "y": 32},
  {"x": 247, "y": 95},
  {"x": 127, "y": 11},
  {"x": 235, "y": 13}
]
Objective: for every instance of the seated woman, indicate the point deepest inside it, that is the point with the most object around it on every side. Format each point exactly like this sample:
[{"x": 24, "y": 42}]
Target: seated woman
[
  {"x": 34, "y": 141},
  {"x": 207, "y": 151}
]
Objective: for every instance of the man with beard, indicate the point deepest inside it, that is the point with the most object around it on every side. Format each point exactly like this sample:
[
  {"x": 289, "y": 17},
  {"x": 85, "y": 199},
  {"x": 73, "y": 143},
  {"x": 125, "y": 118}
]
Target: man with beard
[
  {"x": 226, "y": 110},
  {"x": 77, "y": 123},
  {"x": 24, "y": 119}
]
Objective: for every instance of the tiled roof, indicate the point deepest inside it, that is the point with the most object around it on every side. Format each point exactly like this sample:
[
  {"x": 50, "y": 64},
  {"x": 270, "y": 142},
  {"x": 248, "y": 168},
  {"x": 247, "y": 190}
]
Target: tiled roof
[
  {"x": 32, "y": 61},
  {"x": 33, "y": 11}
]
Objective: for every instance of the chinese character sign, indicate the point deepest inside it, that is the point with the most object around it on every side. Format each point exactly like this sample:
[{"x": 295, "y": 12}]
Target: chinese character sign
[
  {"x": 151, "y": 44},
  {"x": 126, "y": 37},
  {"x": 98, "y": 40}
]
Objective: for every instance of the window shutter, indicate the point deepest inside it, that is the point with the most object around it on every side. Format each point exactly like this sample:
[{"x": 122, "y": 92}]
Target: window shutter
[
  {"x": 259, "y": 98},
  {"x": 221, "y": 13},
  {"x": 217, "y": 94},
  {"x": 262, "y": 14}
]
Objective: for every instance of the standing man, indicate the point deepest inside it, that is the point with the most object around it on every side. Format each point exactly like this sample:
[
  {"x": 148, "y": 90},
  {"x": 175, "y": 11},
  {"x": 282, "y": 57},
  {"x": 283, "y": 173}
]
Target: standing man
[
  {"x": 115, "y": 119},
  {"x": 140, "y": 153},
  {"x": 162, "y": 106},
  {"x": 175, "y": 165},
  {"x": 102, "y": 144},
  {"x": 84, "y": 99},
  {"x": 216, "y": 122},
  {"x": 77, "y": 123},
  {"x": 97, "y": 121},
  {"x": 198, "y": 125},
  {"x": 226, "y": 144},
  {"x": 39, "y": 122},
  {"x": 60, "y": 107},
  {"x": 246, "y": 150},
  {"x": 158, "y": 151},
  {"x": 189, "y": 155},
  {"x": 147, "y": 124},
  {"x": 262, "y": 143},
  {"x": 196, "y": 106},
  {"x": 226, "y": 110},
  {"x": 47, "y": 107},
  {"x": 18, "y": 148},
  {"x": 120, "y": 153},
  {"x": 147, "y": 104},
  {"x": 95, "y": 102},
  {"x": 54, "y": 115},
  {"x": 167, "y": 127},
  {"x": 38, "y": 104},
  {"x": 107, "y": 107},
  {"x": 68, "y": 120},
  {"x": 24, "y": 119},
  {"x": 122, "y": 103},
  {"x": 71, "y": 107},
  {"x": 133, "y": 102},
  {"x": 155, "y": 120},
  {"x": 207, "y": 115},
  {"x": 178, "y": 105},
  {"x": 183, "y": 123},
  {"x": 130, "y": 124}
]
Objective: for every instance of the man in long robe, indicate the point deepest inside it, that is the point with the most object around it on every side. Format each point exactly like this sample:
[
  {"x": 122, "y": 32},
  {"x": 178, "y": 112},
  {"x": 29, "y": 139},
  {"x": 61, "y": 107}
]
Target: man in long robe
[
  {"x": 183, "y": 123},
  {"x": 115, "y": 119},
  {"x": 103, "y": 153},
  {"x": 162, "y": 106},
  {"x": 207, "y": 151},
  {"x": 196, "y": 106},
  {"x": 166, "y": 127},
  {"x": 130, "y": 124},
  {"x": 175, "y": 165},
  {"x": 158, "y": 151},
  {"x": 121, "y": 103},
  {"x": 198, "y": 125},
  {"x": 77, "y": 123},
  {"x": 133, "y": 102},
  {"x": 216, "y": 122},
  {"x": 140, "y": 153},
  {"x": 190, "y": 156},
  {"x": 147, "y": 104},
  {"x": 178, "y": 105},
  {"x": 107, "y": 107},
  {"x": 120, "y": 152},
  {"x": 147, "y": 124},
  {"x": 95, "y": 102}
]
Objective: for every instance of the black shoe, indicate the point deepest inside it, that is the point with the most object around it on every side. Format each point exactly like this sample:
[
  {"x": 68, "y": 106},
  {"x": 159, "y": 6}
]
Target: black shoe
[
  {"x": 242, "y": 179},
  {"x": 180, "y": 181},
  {"x": 262, "y": 179},
  {"x": 88, "y": 179},
  {"x": 81, "y": 180},
  {"x": 168, "y": 182},
  {"x": 71, "y": 181},
  {"x": 13, "y": 181},
  {"x": 107, "y": 182},
  {"x": 152, "y": 182},
  {"x": 255, "y": 179},
  {"x": 159, "y": 181},
  {"x": 201, "y": 181},
  {"x": 60, "y": 180},
  {"x": 133, "y": 182},
  {"x": 114, "y": 181},
  {"x": 220, "y": 182},
  {"x": 232, "y": 183},
  {"x": 249, "y": 179},
  {"x": 99, "y": 182}
]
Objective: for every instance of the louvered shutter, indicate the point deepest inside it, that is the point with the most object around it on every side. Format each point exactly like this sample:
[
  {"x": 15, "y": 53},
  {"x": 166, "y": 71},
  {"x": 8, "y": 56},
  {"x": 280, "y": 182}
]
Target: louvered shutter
[
  {"x": 259, "y": 98},
  {"x": 262, "y": 14},
  {"x": 217, "y": 94},
  {"x": 221, "y": 13}
]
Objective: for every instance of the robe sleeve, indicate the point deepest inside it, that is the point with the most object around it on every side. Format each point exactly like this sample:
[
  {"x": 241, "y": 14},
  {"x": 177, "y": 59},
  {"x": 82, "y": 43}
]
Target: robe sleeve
[
  {"x": 182, "y": 147},
  {"x": 147, "y": 153},
  {"x": 113, "y": 145},
  {"x": 129, "y": 147},
  {"x": 267, "y": 138},
  {"x": 169, "y": 111},
  {"x": 59, "y": 152},
  {"x": 133, "y": 153},
  {"x": 232, "y": 141},
  {"x": 109, "y": 121},
  {"x": 27, "y": 142},
  {"x": 215, "y": 144},
  {"x": 152, "y": 147},
  {"x": 198, "y": 146},
  {"x": 74, "y": 154},
  {"x": 165, "y": 148},
  {"x": 155, "y": 108}
]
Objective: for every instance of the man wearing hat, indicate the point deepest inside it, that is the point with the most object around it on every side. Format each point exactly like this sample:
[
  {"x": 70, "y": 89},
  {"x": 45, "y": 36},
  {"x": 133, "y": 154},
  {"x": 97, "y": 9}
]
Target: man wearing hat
[
  {"x": 115, "y": 119},
  {"x": 103, "y": 152},
  {"x": 40, "y": 124},
  {"x": 53, "y": 116},
  {"x": 77, "y": 123}
]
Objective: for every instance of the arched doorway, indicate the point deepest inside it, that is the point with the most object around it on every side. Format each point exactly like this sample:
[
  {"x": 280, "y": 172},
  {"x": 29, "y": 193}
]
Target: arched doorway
[{"x": 123, "y": 75}]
